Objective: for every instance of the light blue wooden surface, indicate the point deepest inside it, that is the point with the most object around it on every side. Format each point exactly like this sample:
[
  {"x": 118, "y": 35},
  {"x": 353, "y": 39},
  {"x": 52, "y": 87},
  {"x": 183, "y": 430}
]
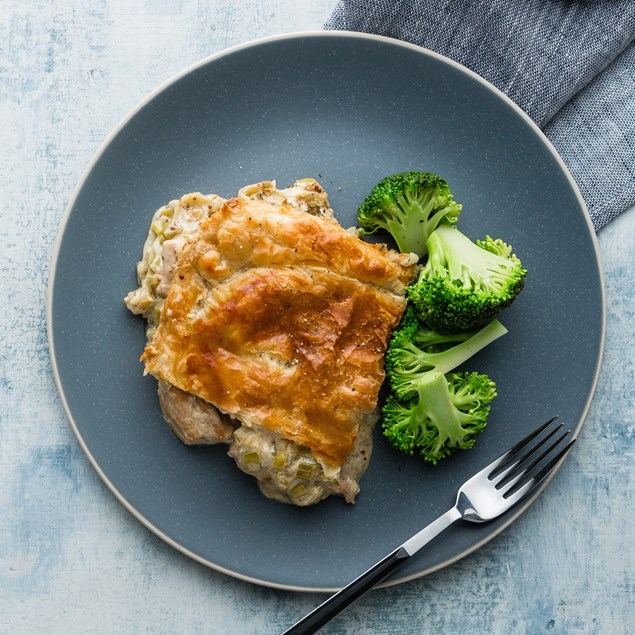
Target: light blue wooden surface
[{"x": 72, "y": 560}]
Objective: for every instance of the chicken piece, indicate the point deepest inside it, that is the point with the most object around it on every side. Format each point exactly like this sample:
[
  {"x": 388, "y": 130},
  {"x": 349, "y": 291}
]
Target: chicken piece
[{"x": 192, "y": 419}]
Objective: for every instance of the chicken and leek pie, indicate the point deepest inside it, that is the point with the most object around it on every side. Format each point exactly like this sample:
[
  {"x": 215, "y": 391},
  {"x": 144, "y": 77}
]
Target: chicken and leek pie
[{"x": 267, "y": 327}]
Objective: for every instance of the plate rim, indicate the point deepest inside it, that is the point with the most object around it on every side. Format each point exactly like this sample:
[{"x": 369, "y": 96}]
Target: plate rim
[{"x": 55, "y": 252}]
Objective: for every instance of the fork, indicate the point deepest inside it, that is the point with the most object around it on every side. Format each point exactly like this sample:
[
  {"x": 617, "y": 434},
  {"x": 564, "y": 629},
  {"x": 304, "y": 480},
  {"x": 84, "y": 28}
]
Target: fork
[{"x": 485, "y": 496}]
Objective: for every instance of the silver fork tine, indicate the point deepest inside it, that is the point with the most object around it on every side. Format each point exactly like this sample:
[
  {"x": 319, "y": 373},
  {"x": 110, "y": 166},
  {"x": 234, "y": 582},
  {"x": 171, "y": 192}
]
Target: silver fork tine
[
  {"x": 541, "y": 475},
  {"x": 530, "y": 437},
  {"x": 522, "y": 469},
  {"x": 510, "y": 471},
  {"x": 507, "y": 456},
  {"x": 510, "y": 463}
]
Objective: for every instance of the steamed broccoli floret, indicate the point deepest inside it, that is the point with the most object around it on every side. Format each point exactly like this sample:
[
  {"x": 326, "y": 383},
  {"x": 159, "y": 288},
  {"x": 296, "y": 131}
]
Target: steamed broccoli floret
[
  {"x": 431, "y": 410},
  {"x": 446, "y": 413},
  {"x": 410, "y": 206},
  {"x": 463, "y": 284}
]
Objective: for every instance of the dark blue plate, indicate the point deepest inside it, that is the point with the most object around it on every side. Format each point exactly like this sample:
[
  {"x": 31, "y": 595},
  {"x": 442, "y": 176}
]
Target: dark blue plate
[{"x": 346, "y": 109}]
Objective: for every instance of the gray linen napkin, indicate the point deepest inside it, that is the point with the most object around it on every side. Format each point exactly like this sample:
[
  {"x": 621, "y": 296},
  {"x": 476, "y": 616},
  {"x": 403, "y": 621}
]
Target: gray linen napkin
[{"x": 570, "y": 65}]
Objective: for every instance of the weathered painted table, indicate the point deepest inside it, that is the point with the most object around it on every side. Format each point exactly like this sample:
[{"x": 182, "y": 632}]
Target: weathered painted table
[{"x": 72, "y": 560}]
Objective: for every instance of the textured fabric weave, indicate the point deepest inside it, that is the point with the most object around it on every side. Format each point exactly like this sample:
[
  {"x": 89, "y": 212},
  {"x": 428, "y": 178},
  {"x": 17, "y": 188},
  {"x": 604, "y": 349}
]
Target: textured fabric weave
[{"x": 570, "y": 65}]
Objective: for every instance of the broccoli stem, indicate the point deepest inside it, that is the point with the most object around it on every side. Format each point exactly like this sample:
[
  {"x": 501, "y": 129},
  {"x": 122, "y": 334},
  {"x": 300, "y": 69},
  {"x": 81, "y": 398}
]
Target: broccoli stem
[
  {"x": 434, "y": 396},
  {"x": 407, "y": 232},
  {"x": 412, "y": 224},
  {"x": 453, "y": 357}
]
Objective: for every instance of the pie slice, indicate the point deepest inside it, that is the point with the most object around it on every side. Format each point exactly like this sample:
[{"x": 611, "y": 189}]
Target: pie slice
[{"x": 281, "y": 319}]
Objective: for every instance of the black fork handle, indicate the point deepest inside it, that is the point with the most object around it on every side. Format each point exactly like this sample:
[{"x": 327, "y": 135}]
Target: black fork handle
[{"x": 351, "y": 592}]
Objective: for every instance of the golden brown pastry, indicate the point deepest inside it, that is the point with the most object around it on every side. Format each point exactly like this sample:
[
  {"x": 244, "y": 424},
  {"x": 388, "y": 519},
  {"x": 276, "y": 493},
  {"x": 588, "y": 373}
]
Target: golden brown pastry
[{"x": 280, "y": 319}]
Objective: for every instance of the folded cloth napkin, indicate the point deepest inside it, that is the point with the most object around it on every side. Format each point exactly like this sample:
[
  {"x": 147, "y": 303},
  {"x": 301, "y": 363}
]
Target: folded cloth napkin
[{"x": 570, "y": 65}]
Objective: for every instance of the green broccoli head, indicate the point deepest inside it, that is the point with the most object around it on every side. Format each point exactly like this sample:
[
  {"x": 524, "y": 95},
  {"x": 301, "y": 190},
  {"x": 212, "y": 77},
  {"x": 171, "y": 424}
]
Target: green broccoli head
[
  {"x": 414, "y": 349},
  {"x": 446, "y": 414},
  {"x": 463, "y": 285},
  {"x": 410, "y": 206}
]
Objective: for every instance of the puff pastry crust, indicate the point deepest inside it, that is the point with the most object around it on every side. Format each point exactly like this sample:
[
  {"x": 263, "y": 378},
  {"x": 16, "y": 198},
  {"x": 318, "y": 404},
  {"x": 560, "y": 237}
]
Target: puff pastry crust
[{"x": 281, "y": 319}]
